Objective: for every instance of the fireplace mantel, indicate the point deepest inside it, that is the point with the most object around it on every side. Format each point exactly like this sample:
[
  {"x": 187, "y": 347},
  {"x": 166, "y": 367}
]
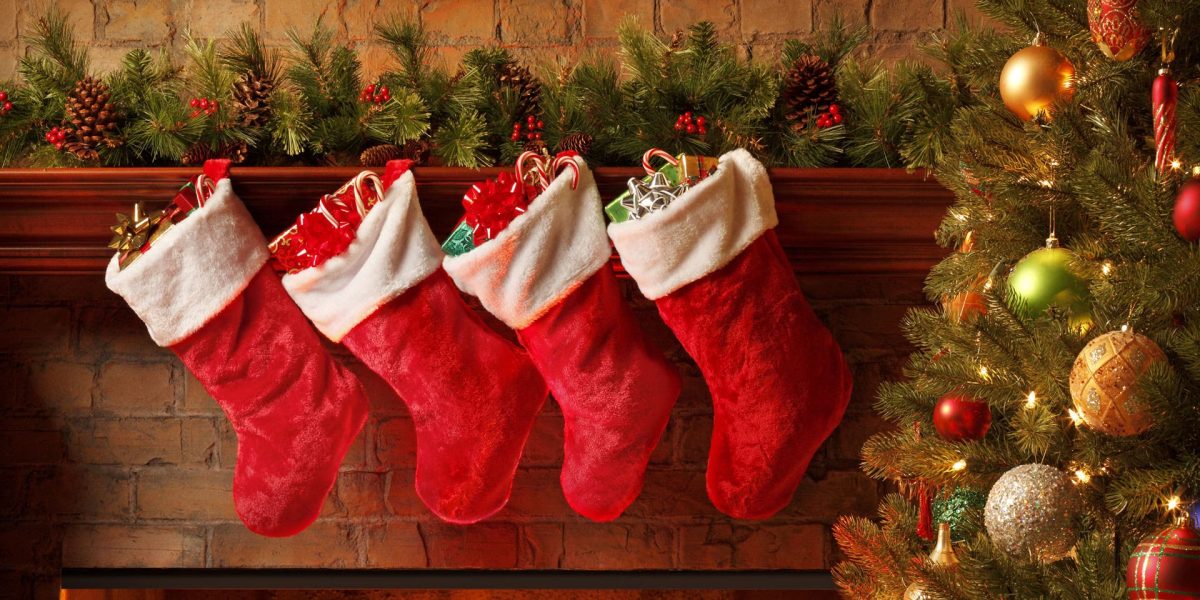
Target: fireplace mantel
[{"x": 831, "y": 220}]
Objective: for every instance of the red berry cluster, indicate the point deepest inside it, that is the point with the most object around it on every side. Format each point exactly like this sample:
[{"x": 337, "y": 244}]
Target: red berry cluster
[
  {"x": 685, "y": 123},
  {"x": 376, "y": 94},
  {"x": 56, "y": 136},
  {"x": 531, "y": 130},
  {"x": 203, "y": 105},
  {"x": 831, "y": 118},
  {"x": 5, "y": 103}
]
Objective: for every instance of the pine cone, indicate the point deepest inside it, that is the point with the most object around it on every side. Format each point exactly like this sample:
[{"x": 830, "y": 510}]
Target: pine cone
[
  {"x": 577, "y": 142},
  {"x": 538, "y": 146},
  {"x": 808, "y": 88},
  {"x": 378, "y": 156},
  {"x": 91, "y": 119},
  {"x": 418, "y": 151},
  {"x": 200, "y": 152},
  {"x": 252, "y": 97},
  {"x": 529, "y": 89}
]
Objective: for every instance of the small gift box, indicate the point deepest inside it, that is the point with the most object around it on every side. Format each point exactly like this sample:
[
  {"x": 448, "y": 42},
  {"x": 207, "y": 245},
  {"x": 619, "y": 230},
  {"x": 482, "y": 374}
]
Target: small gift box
[
  {"x": 327, "y": 230},
  {"x": 659, "y": 187},
  {"x": 136, "y": 233}
]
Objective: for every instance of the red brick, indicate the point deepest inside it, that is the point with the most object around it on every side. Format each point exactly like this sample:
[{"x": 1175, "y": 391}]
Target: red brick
[
  {"x": 727, "y": 545},
  {"x": 81, "y": 491},
  {"x": 132, "y": 546},
  {"x": 678, "y": 15},
  {"x": 396, "y": 546},
  {"x": 189, "y": 494},
  {"x": 300, "y": 15},
  {"x": 62, "y": 386},
  {"x": 360, "y": 16},
  {"x": 116, "y": 331},
  {"x": 136, "y": 388},
  {"x": 30, "y": 440},
  {"x": 537, "y": 22},
  {"x": 135, "y": 441},
  {"x": 35, "y": 330},
  {"x": 27, "y": 544},
  {"x": 911, "y": 15},
  {"x": 673, "y": 493},
  {"x": 18, "y": 398},
  {"x": 196, "y": 400},
  {"x": 135, "y": 21},
  {"x": 80, "y": 15},
  {"x": 12, "y": 490},
  {"x": 839, "y": 493},
  {"x": 545, "y": 445},
  {"x": 357, "y": 495},
  {"x": 396, "y": 444},
  {"x": 400, "y": 496},
  {"x": 598, "y": 546},
  {"x": 794, "y": 17},
  {"x": 478, "y": 546},
  {"x": 847, "y": 440},
  {"x": 695, "y": 438},
  {"x": 537, "y": 494},
  {"x": 447, "y": 22},
  {"x": 869, "y": 326},
  {"x": 324, "y": 544},
  {"x": 214, "y": 19},
  {"x": 852, "y": 12},
  {"x": 601, "y": 18},
  {"x": 541, "y": 546}
]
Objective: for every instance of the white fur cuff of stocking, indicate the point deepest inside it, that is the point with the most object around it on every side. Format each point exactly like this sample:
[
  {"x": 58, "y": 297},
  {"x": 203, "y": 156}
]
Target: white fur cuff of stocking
[
  {"x": 701, "y": 231},
  {"x": 194, "y": 270},
  {"x": 541, "y": 257},
  {"x": 393, "y": 250}
]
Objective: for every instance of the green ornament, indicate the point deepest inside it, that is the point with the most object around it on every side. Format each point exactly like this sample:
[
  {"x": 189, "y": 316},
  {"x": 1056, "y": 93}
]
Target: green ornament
[
  {"x": 1043, "y": 279},
  {"x": 953, "y": 509}
]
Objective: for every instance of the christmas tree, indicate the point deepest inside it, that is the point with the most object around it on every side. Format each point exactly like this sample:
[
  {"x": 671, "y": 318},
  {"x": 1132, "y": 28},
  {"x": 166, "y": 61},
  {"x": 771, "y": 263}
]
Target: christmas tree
[{"x": 1050, "y": 414}]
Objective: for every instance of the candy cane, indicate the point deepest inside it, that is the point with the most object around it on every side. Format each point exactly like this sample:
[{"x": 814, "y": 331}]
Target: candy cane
[
  {"x": 565, "y": 159},
  {"x": 653, "y": 152},
  {"x": 205, "y": 188},
  {"x": 539, "y": 164}
]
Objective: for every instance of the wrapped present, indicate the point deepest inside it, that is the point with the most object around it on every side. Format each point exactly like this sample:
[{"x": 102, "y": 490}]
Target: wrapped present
[
  {"x": 136, "y": 233},
  {"x": 327, "y": 230},
  {"x": 651, "y": 193},
  {"x": 492, "y": 204}
]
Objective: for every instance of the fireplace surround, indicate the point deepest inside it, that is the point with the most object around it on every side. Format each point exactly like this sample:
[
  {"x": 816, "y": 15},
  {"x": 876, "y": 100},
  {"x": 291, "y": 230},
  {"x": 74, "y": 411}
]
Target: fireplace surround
[{"x": 116, "y": 467}]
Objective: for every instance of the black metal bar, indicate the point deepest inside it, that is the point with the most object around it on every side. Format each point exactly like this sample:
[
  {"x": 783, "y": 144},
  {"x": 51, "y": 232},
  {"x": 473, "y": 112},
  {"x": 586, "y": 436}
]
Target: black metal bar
[{"x": 312, "y": 579}]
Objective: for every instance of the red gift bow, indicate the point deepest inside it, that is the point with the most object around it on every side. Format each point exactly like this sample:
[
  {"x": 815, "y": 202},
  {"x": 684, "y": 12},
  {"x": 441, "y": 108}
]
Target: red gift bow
[
  {"x": 492, "y": 204},
  {"x": 329, "y": 229}
]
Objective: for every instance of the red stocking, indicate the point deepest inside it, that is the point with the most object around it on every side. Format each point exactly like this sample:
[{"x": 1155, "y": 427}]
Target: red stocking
[
  {"x": 547, "y": 275},
  {"x": 722, "y": 283},
  {"x": 473, "y": 395},
  {"x": 204, "y": 291}
]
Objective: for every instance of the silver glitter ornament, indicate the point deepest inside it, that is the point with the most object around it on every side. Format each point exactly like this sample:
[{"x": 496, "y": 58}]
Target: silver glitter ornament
[{"x": 1031, "y": 512}]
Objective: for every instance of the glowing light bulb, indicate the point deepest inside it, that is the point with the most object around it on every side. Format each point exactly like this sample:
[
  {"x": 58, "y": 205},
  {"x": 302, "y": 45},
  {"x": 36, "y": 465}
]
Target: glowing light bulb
[
  {"x": 1106, "y": 268},
  {"x": 958, "y": 466},
  {"x": 1082, "y": 476},
  {"x": 983, "y": 372},
  {"x": 1031, "y": 400},
  {"x": 1173, "y": 503},
  {"x": 1176, "y": 164},
  {"x": 1076, "y": 418},
  {"x": 1046, "y": 183}
]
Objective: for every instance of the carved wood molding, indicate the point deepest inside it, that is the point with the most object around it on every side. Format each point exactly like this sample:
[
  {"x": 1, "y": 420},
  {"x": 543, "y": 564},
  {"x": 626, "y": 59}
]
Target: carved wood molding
[{"x": 853, "y": 221}]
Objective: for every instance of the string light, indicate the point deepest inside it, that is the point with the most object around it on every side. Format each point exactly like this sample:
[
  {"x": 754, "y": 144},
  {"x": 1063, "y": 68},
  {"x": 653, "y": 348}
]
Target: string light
[
  {"x": 1173, "y": 503},
  {"x": 1046, "y": 183},
  {"x": 1177, "y": 164},
  {"x": 1106, "y": 268},
  {"x": 1031, "y": 400},
  {"x": 1076, "y": 418},
  {"x": 960, "y": 465},
  {"x": 983, "y": 372},
  {"x": 987, "y": 285},
  {"x": 1125, "y": 327},
  {"x": 1082, "y": 476}
]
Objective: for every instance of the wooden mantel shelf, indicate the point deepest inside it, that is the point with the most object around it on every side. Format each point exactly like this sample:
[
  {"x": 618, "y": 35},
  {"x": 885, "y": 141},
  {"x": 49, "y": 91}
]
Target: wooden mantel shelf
[{"x": 831, "y": 220}]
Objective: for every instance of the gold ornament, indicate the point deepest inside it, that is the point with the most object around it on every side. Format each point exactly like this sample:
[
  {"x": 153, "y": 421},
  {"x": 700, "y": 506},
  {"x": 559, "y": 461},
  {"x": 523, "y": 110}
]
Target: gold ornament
[
  {"x": 1034, "y": 78},
  {"x": 1103, "y": 378},
  {"x": 943, "y": 556}
]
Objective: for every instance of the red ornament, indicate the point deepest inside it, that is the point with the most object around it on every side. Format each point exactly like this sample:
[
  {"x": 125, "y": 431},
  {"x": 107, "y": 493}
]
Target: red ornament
[
  {"x": 958, "y": 417},
  {"x": 1187, "y": 211},
  {"x": 1117, "y": 28},
  {"x": 1165, "y": 566},
  {"x": 1164, "y": 95}
]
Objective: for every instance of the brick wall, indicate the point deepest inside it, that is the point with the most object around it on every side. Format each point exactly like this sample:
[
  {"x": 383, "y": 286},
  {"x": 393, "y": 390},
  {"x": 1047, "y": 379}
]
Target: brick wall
[
  {"x": 537, "y": 30},
  {"x": 111, "y": 455}
]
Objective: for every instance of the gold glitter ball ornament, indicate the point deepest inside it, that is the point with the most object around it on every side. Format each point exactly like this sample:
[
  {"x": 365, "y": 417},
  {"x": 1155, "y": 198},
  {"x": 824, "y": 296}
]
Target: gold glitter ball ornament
[
  {"x": 1034, "y": 78},
  {"x": 1031, "y": 512},
  {"x": 1103, "y": 380}
]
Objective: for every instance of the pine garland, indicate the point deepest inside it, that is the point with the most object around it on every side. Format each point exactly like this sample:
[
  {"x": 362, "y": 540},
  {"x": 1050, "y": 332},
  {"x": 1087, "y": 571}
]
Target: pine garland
[{"x": 304, "y": 105}]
